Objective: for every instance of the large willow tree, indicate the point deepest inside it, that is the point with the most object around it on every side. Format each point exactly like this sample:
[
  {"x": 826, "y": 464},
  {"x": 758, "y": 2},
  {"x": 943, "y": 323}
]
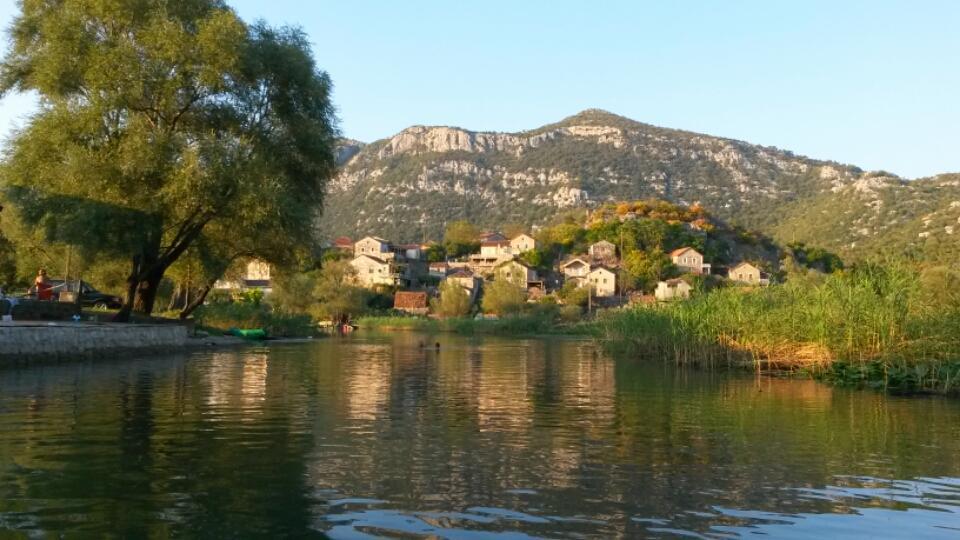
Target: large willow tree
[{"x": 163, "y": 125}]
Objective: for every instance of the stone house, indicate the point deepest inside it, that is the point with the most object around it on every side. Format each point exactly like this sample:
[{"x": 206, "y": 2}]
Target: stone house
[
  {"x": 517, "y": 272},
  {"x": 258, "y": 275},
  {"x": 603, "y": 281},
  {"x": 484, "y": 265},
  {"x": 748, "y": 274},
  {"x": 672, "y": 289},
  {"x": 522, "y": 243},
  {"x": 373, "y": 271},
  {"x": 603, "y": 251},
  {"x": 495, "y": 248},
  {"x": 373, "y": 246},
  {"x": 689, "y": 261},
  {"x": 414, "y": 302},
  {"x": 255, "y": 275},
  {"x": 575, "y": 269}
]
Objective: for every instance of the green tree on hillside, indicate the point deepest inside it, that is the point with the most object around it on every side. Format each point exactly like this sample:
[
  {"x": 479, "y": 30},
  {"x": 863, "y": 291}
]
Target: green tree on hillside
[
  {"x": 643, "y": 269},
  {"x": 436, "y": 253},
  {"x": 461, "y": 238},
  {"x": 453, "y": 301},
  {"x": 159, "y": 120},
  {"x": 503, "y": 297}
]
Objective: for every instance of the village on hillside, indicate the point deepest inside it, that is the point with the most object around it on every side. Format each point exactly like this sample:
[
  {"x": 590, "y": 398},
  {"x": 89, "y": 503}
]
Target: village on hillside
[
  {"x": 382, "y": 264},
  {"x": 415, "y": 273}
]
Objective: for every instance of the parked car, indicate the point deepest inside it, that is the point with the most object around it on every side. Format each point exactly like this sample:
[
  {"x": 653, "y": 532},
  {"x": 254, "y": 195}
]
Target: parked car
[{"x": 89, "y": 297}]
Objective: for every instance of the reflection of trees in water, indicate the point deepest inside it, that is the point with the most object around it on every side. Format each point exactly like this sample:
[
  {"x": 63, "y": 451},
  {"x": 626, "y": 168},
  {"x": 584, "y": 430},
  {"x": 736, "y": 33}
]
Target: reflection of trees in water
[
  {"x": 593, "y": 436},
  {"x": 146, "y": 448},
  {"x": 237, "y": 384},
  {"x": 367, "y": 383},
  {"x": 248, "y": 440},
  {"x": 470, "y": 422}
]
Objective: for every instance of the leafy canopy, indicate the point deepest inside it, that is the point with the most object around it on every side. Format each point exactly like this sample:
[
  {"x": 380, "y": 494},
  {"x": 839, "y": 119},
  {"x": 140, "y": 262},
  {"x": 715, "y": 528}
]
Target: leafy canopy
[
  {"x": 504, "y": 297},
  {"x": 461, "y": 238},
  {"x": 164, "y": 122},
  {"x": 453, "y": 301}
]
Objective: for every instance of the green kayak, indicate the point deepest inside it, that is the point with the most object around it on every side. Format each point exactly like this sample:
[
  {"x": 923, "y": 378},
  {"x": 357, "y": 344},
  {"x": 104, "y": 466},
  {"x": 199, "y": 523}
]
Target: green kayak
[{"x": 249, "y": 333}]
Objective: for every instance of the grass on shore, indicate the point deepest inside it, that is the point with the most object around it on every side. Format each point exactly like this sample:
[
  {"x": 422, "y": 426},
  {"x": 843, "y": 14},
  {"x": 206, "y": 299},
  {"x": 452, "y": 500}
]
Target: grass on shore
[{"x": 873, "y": 325}]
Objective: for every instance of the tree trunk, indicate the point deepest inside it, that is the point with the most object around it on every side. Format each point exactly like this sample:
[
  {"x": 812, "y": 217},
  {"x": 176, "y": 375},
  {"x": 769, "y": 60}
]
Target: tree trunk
[
  {"x": 198, "y": 301},
  {"x": 124, "y": 314},
  {"x": 133, "y": 281},
  {"x": 176, "y": 299},
  {"x": 147, "y": 291}
]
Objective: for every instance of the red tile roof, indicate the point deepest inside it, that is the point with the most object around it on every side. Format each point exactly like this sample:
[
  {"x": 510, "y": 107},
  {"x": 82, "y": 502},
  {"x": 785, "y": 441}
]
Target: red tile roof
[
  {"x": 681, "y": 251},
  {"x": 410, "y": 300}
]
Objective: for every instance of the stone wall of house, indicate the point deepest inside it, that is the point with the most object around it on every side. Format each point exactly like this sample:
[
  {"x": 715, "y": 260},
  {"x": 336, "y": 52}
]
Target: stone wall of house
[{"x": 28, "y": 341}]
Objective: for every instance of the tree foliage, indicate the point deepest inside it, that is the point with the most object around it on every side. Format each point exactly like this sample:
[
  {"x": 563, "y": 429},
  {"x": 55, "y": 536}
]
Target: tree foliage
[
  {"x": 164, "y": 123},
  {"x": 504, "y": 297},
  {"x": 453, "y": 301},
  {"x": 436, "y": 253},
  {"x": 330, "y": 293},
  {"x": 461, "y": 238},
  {"x": 573, "y": 294},
  {"x": 8, "y": 265},
  {"x": 644, "y": 269}
]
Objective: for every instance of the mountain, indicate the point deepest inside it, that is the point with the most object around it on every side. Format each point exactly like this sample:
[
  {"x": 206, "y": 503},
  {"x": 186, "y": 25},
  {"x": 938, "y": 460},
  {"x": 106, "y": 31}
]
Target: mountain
[
  {"x": 409, "y": 186},
  {"x": 879, "y": 214}
]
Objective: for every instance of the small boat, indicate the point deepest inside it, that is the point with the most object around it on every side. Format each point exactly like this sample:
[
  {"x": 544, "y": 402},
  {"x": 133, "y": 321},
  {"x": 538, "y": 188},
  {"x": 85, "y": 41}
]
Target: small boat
[{"x": 254, "y": 334}]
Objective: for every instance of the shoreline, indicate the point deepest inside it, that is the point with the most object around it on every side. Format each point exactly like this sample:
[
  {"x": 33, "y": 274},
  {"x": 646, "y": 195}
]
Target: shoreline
[{"x": 38, "y": 342}]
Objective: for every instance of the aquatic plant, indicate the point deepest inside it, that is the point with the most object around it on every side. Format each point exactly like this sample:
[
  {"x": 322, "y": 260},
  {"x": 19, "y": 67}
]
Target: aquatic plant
[{"x": 878, "y": 319}]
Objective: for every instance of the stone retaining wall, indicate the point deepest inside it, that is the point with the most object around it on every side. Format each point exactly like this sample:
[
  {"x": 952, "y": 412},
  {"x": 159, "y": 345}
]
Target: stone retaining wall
[{"x": 26, "y": 341}]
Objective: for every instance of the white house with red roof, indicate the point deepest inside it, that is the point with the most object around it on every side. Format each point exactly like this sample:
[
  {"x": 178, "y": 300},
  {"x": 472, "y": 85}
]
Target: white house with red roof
[{"x": 689, "y": 261}]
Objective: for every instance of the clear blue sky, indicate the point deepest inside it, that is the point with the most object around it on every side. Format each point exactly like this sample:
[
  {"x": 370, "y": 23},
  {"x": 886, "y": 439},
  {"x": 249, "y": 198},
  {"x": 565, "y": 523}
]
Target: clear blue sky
[{"x": 871, "y": 83}]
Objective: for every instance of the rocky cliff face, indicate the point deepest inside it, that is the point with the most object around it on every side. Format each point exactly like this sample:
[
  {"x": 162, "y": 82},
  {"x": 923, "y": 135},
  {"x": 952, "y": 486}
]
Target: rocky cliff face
[{"x": 410, "y": 185}]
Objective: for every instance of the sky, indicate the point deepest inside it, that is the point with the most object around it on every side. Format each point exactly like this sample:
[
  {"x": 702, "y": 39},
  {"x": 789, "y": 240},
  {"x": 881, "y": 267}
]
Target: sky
[{"x": 869, "y": 83}]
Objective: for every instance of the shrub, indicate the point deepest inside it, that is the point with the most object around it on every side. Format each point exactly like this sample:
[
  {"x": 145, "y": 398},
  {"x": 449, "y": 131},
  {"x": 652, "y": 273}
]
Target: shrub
[
  {"x": 225, "y": 316},
  {"x": 453, "y": 301},
  {"x": 503, "y": 297},
  {"x": 571, "y": 313}
]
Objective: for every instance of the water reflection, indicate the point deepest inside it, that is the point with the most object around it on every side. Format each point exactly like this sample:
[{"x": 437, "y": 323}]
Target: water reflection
[{"x": 382, "y": 436}]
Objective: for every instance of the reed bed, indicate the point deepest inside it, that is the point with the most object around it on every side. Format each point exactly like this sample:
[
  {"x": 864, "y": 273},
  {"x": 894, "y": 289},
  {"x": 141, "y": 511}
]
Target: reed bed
[{"x": 873, "y": 325}]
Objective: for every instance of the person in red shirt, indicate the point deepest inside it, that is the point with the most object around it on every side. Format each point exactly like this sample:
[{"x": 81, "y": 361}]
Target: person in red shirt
[{"x": 44, "y": 288}]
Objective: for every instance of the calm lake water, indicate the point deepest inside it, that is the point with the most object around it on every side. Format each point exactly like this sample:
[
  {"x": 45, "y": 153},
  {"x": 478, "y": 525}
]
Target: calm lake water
[{"x": 374, "y": 436}]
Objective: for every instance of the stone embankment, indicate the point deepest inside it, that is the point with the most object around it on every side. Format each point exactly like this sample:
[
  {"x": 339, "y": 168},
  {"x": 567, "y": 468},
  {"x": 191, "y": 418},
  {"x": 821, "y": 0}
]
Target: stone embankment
[{"x": 27, "y": 341}]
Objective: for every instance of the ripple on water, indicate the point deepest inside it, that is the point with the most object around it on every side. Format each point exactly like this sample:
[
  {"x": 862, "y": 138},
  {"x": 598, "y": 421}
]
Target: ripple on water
[
  {"x": 860, "y": 507},
  {"x": 372, "y": 436}
]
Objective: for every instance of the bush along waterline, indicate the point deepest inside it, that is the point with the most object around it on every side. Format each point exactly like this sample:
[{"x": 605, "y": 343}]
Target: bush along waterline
[{"x": 889, "y": 326}]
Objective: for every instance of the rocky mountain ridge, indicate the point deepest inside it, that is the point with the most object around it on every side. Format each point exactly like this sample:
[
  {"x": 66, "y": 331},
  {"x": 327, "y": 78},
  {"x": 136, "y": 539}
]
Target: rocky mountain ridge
[{"x": 410, "y": 185}]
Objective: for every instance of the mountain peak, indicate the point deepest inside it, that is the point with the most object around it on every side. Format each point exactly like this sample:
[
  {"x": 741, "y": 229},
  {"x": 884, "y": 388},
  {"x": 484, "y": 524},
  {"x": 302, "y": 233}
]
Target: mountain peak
[
  {"x": 410, "y": 185},
  {"x": 596, "y": 115}
]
